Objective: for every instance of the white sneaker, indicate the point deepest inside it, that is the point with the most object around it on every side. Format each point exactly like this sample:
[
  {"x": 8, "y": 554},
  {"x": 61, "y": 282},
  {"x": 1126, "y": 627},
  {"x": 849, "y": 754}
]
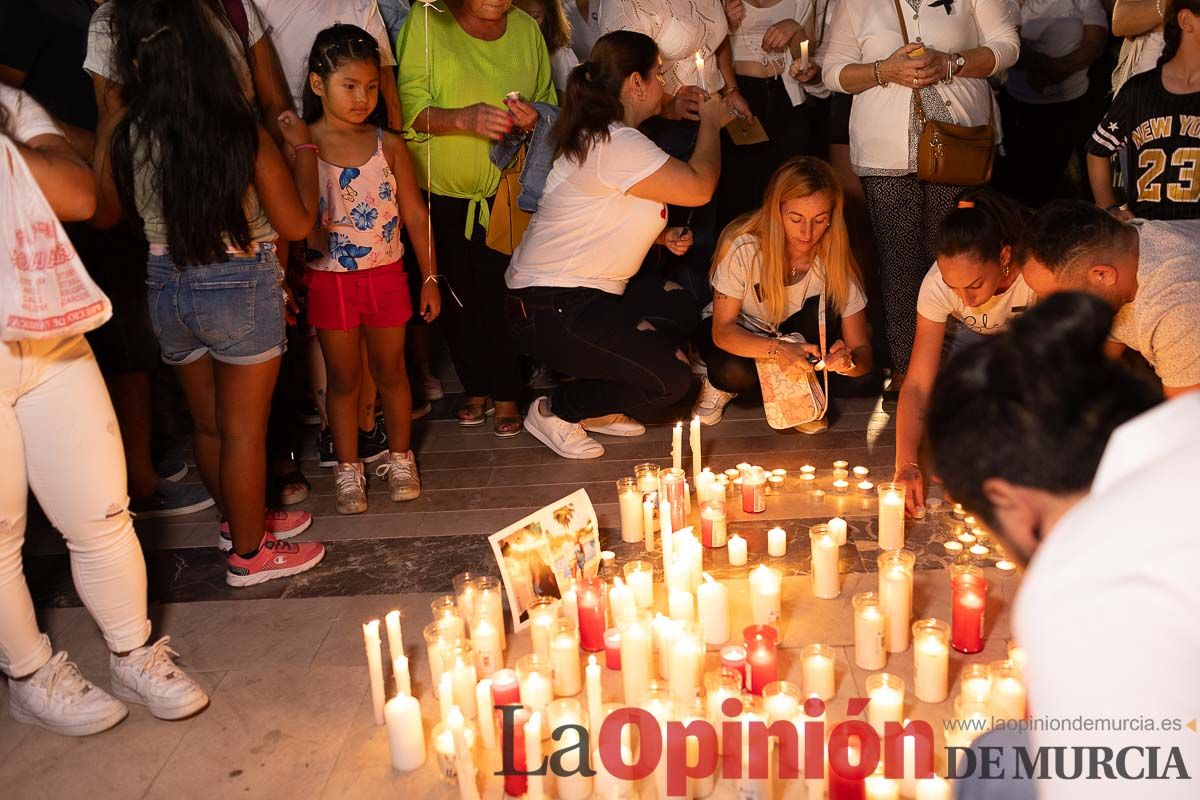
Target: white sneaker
[
  {"x": 568, "y": 439},
  {"x": 350, "y": 484},
  {"x": 710, "y": 405},
  {"x": 61, "y": 700},
  {"x": 149, "y": 676},
  {"x": 614, "y": 425},
  {"x": 400, "y": 472}
]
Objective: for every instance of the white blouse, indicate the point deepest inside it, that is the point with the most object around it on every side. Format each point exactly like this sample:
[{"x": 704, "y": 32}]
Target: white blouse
[
  {"x": 865, "y": 31},
  {"x": 681, "y": 29}
]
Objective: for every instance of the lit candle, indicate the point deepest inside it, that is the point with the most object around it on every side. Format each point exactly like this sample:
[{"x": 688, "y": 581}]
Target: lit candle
[
  {"x": 537, "y": 683},
  {"x": 837, "y": 527},
  {"x": 776, "y": 542},
  {"x": 719, "y": 686},
  {"x": 677, "y": 446},
  {"x": 485, "y": 640},
  {"x": 765, "y": 585},
  {"x": 401, "y": 675},
  {"x": 754, "y": 492},
  {"x": 461, "y": 669},
  {"x": 880, "y": 787},
  {"x": 648, "y": 524},
  {"x": 639, "y": 577},
  {"x": 506, "y": 688},
  {"x": 775, "y": 484},
  {"x": 804, "y": 56},
  {"x": 681, "y": 606},
  {"x": 489, "y": 603},
  {"x": 976, "y": 688},
  {"x": 861, "y": 473},
  {"x": 841, "y": 465},
  {"x": 733, "y": 658},
  {"x": 952, "y": 547},
  {"x": 1016, "y": 654},
  {"x": 895, "y": 596},
  {"x": 891, "y": 515},
  {"x": 931, "y": 655},
  {"x": 637, "y": 657},
  {"x": 1006, "y": 700},
  {"x": 686, "y": 663},
  {"x": 762, "y": 665},
  {"x": 487, "y": 713},
  {"x": 701, "y": 81},
  {"x": 570, "y": 783},
  {"x": 406, "y": 735},
  {"x": 542, "y": 614},
  {"x": 564, "y": 656},
  {"x": 712, "y": 599},
  {"x": 934, "y": 788},
  {"x": 841, "y": 485},
  {"x": 463, "y": 761},
  {"x": 866, "y": 487},
  {"x": 968, "y": 606},
  {"x": 664, "y": 629},
  {"x": 629, "y": 497},
  {"x": 516, "y": 782},
  {"x": 886, "y": 693},
  {"x": 979, "y": 550},
  {"x": 818, "y": 669},
  {"x": 808, "y": 469},
  {"x": 713, "y": 530},
  {"x": 395, "y": 639},
  {"x": 594, "y": 697},
  {"x": 869, "y": 652},
  {"x": 673, "y": 490},
  {"x": 621, "y": 602},
  {"x": 737, "y": 551},
  {"x": 533, "y": 756},
  {"x": 374, "y": 667},
  {"x": 589, "y": 594},
  {"x": 612, "y": 649},
  {"x": 781, "y": 701},
  {"x": 826, "y": 583},
  {"x": 694, "y": 444}
]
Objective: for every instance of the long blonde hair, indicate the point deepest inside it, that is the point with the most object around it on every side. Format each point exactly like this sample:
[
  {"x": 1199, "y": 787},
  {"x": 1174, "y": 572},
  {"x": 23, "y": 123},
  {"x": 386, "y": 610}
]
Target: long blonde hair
[{"x": 801, "y": 176}]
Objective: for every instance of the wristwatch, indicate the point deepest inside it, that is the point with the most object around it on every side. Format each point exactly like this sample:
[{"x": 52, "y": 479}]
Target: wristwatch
[{"x": 959, "y": 62}]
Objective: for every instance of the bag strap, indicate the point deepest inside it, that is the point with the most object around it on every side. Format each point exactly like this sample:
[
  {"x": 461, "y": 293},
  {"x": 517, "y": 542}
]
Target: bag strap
[
  {"x": 916, "y": 94},
  {"x": 821, "y": 337},
  {"x": 900, "y": 17}
]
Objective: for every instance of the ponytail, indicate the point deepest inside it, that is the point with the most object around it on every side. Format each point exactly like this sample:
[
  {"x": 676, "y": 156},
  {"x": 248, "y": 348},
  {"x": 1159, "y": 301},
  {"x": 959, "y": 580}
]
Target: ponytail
[{"x": 592, "y": 99}]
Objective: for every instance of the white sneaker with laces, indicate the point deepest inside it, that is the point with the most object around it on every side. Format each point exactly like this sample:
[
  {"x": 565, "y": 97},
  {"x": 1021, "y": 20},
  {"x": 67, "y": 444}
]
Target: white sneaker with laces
[
  {"x": 149, "y": 676},
  {"x": 58, "y": 698},
  {"x": 710, "y": 405},
  {"x": 350, "y": 485},
  {"x": 568, "y": 439},
  {"x": 614, "y": 425},
  {"x": 400, "y": 472}
]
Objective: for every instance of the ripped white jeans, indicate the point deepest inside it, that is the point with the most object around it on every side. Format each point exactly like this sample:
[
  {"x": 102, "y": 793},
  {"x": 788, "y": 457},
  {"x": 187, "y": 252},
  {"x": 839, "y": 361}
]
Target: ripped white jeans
[{"x": 59, "y": 437}]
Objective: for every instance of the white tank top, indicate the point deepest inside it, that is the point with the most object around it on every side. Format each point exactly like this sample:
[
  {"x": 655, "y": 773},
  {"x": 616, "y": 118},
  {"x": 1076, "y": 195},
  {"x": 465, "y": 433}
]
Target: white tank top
[{"x": 746, "y": 41}]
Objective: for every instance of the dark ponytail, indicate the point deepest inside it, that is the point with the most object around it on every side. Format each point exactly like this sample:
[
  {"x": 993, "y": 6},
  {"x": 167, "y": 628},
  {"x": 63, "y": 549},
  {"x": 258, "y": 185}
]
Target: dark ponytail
[
  {"x": 1172, "y": 33},
  {"x": 1034, "y": 405},
  {"x": 333, "y": 47},
  {"x": 981, "y": 225},
  {"x": 592, "y": 100}
]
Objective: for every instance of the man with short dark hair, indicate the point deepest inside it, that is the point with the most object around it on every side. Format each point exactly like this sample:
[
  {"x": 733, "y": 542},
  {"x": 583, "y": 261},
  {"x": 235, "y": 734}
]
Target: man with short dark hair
[{"x": 1147, "y": 271}]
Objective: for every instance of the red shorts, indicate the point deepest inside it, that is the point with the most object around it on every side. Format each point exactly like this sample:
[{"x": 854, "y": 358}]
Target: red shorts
[{"x": 376, "y": 298}]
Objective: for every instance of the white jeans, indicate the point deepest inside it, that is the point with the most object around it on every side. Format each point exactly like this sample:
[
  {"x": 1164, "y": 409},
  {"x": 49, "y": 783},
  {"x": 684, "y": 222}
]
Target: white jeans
[{"x": 59, "y": 437}]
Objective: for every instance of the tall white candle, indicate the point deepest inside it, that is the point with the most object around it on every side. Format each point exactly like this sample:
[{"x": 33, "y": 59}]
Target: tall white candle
[
  {"x": 686, "y": 664},
  {"x": 737, "y": 551},
  {"x": 931, "y": 658},
  {"x": 533, "y": 756},
  {"x": 595, "y": 706},
  {"x": 765, "y": 585},
  {"x": 701, "y": 80},
  {"x": 564, "y": 655},
  {"x": 681, "y": 605},
  {"x": 804, "y": 56},
  {"x": 464, "y": 679},
  {"x": 406, "y": 736},
  {"x": 776, "y": 542},
  {"x": 485, "y": 640},
  {"x": 641, "y": 582},
  {"x": 621, "y": 602},
  {"x": 712, "y": 599},
  {"x": 487, "y": 713},
  {"x": 395, "y": 639},
  {"x": 648, "y": 524},
  {"x": 886, "y": 694},
  {"x": 819, "y": 676},
  {"x": 694, "y": 443},
  {"x": 677, "y": 446},
  {"x": 665, "y": 630},
  {"x": 869, "y": 652},
  {"x": 572, "y": 784},
  {"x": 463, "y": 762},
  {"x": 637, "y": 659},
  {"x": 401, "y": 675},
  {"x": 1007, "y": 698},
  {"x": 891, "y": 516},
  {"x": 895, "y": 596},
  {"x": 374, "y": 667},
  {"x": 837, "y": 527},
  {"x": 629, "y": 498},
  {"x": 445, "y": 695},
  {"x": 826, "y": 583}
]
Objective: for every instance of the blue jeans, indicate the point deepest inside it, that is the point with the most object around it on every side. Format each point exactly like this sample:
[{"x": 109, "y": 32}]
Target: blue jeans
[{"x": 232, "y": 311}]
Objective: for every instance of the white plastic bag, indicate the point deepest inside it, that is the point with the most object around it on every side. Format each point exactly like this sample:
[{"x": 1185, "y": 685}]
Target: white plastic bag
[{"x": 45, "y": 291}]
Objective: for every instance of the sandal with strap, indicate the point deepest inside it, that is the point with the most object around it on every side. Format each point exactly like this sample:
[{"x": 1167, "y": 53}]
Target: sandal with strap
[
  {"x": 506, "y": 427},
  {"x": 471, "y": 415}
]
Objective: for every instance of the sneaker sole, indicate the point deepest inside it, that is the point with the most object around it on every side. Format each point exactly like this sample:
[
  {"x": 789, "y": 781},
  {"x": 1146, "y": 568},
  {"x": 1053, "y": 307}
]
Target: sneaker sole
[
  {"x": 350, "y": 508},
  {"x": 332, "y": 462},
  {"x": 172, "y": 712},
  {"x": 78, "y": 729},
  {"x": 604, "y": 430},
  {"x": 175, "y": 512},
  {"x": 708, "y": 422},
  {"x": 542, "y": 438},
  {"x": 404, "y": 497},
  {"x": 242, "y": 581}
]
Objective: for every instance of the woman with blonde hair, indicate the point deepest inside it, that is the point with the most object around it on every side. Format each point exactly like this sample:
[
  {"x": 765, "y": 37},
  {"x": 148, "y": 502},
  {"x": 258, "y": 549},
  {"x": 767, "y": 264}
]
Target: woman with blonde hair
[{"x": 773, "y": 269}]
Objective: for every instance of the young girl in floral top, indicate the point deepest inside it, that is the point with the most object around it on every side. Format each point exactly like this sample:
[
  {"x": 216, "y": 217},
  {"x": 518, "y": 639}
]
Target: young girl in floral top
[{"x": 356, "y": 281}]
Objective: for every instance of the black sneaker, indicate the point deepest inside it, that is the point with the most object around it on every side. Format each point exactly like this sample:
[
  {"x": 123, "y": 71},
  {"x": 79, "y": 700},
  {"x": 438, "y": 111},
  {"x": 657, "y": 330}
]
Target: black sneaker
[
  {"x": 372, "y": 445},
  {"x": 325, "y": 456}
]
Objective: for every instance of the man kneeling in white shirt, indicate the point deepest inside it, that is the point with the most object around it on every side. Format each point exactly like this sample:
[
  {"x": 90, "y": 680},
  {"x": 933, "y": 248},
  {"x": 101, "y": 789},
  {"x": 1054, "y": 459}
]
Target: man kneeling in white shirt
[{"x": 1065, "y": 456}]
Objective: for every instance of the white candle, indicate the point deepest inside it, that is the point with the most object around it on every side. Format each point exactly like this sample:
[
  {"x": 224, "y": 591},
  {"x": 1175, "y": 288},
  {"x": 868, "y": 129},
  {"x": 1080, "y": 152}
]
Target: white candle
[
  {"x": 445, "y": 695},
  {"x": 765, "y": 584},
  {"x": 648, "y": 524},
  {"x": 629, "y": 496},
  {"x": 537, "y": 691},
  {"x": 621, "y": 602},
  {"x": 879, "y": 787},
  {"x": 374, "y": 667},
  {"x": 533, "y": 756},
  {"x": 891, "y": 516},
  {"x": 406, "y": 736},
  {"x": 1007, "y": 698},
  {"x": 641, "y": 582},
  {"x": 826, "y": 583},
  {"x": 931, "y": 659},
  {"x": 664, "y": 521},
  {"x": 665, "y": 630},
  {"x": 464, "y": 679},
  {"x": 542, "y": 617},
  {"x": 401, "y": 675},
  {"x": 837, "y": 528},
  {"x": 681, "y": 606},
  {"x": 564, "y": 655},
  {"x": 886, "y": 693},
  {"x": 677, "y": 446},
  {"x": 463, "y": 762},
  {"x": 572, "y": 784},
  {"x": 819, "y": 676},
  {"x": 637, "y": 659},
  {"x": 487, "y": 713},
  {"x": 395, "y": 639},
  {"x": 804, "y": 56},
  {"x": 485, "y": 639},
  {"x": 934, "y": 788},
  {"x": 869, "y": 652},
  {"x": 594, "y": 700},
  {"x": 776, "y": 542},
  {"x": 895, "y": 596},
  {"x": 712, "y": 598},
  {"x": 737, "y": 551},
  {"x": 694, "y": 443},
  {"x": 686, "y": 664},
  {"x": 700, "y": 79},
  {"x": 860, "y": 473}
]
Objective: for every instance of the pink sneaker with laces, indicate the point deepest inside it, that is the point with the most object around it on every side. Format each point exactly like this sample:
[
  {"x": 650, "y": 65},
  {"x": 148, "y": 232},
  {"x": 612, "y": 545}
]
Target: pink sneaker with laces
[
  {"x": 283, "y": 524},
  {"x": 274, "y": 559}
]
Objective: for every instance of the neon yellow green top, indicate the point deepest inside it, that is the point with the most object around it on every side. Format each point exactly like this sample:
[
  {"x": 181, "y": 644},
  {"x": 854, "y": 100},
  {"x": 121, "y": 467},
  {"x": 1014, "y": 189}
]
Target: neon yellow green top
[{"x": 465, "y": 71}]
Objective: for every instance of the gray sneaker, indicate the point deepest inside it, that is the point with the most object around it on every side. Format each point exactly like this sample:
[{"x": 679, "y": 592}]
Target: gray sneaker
[
  {"x": 400, "y": 472},
  {"x": 58, "y": 698},
  {"x": 171, "y": 499},
  {"x": 351, "y": 485}
]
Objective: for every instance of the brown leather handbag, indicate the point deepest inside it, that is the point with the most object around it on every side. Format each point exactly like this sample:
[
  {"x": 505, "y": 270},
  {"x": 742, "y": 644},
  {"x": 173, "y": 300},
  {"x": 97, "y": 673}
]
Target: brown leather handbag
[
  {"x": 508, "y": 220},
  {"x": 959, "y": 155}
]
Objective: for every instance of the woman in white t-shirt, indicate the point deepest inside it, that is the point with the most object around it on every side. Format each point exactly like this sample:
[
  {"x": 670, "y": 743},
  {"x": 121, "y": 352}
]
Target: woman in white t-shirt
[
  {"x": 974, "y": 289},
  {"x": 773, "y": 269},
  {"x": 603, "y": 208}
]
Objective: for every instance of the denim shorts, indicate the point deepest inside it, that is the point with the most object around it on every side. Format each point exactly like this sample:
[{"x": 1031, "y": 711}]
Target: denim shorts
[{"x": 232, "y": 311}]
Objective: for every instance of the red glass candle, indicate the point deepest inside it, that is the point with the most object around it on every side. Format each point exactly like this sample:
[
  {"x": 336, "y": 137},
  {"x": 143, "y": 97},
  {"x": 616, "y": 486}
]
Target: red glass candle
[
  {"x": 968, "y": 594},
  {"x": 752, "y": 632},
  {"x": 673, "y": 489},
  {"x": 733, "y": 658},
  {"x": 506, "y": 688},
  {"x": 762, "y": 666},
  {"x": 754, "y": 491},
  {"x": 842, "y": 788},
  {"x": 589, "y": 597},
  {"x": 516, "y": 785},
  {"x": 612, "y": 648}
]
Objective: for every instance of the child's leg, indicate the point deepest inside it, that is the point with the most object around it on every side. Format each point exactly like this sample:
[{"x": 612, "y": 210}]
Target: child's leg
[
  {"x": 343, "y": 369},
  {"x": 316, "y": 377},
  {"x": 385, "y": 348},
  {"x": 367, "y": 391},
  {"x": 243, "y": 405},
  {"x": 200, "y": 391}
]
